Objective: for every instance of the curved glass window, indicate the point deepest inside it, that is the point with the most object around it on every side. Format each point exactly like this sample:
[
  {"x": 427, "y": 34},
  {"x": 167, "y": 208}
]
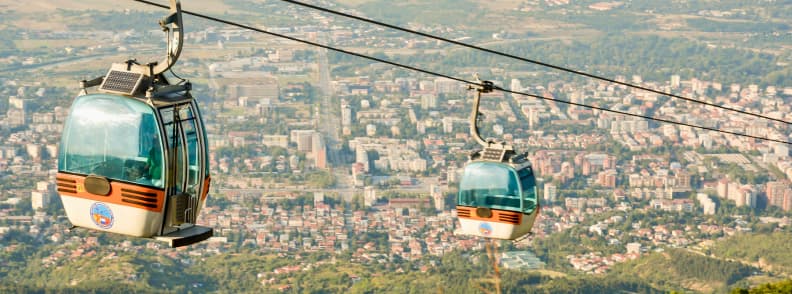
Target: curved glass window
[
  {"x": 528, "y": 183},
  {"x": 191, "y": 138},
  {"x": 490, "y": 184},
  {"x": 201, "y": 128},
  {"x": 112, "y": 136}
]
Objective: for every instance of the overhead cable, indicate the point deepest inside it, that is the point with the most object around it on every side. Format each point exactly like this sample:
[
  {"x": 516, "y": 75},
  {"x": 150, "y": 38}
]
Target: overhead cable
[
  {"x": 561, "y": 68},
  {"x": 469, "y": 82}
]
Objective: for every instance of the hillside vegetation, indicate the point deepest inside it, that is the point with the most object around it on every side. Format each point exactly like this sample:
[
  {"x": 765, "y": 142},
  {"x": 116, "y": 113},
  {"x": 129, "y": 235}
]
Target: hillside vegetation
[
  {"x": 782, "y": 287},
  {"x": 678, "y": 268},
  {"x": 772, "y": 252}
]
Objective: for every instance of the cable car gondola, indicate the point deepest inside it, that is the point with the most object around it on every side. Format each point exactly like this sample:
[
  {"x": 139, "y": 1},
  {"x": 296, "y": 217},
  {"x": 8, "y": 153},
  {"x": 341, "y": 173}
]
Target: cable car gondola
[
  {"x": 497, "y": 192},
  {"x": 133, "y": 158}
]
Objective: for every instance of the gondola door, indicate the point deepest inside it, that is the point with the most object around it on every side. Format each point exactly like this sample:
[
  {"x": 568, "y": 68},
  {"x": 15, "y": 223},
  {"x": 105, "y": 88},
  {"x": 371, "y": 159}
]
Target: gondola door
[{"x": 185, "y": 153}]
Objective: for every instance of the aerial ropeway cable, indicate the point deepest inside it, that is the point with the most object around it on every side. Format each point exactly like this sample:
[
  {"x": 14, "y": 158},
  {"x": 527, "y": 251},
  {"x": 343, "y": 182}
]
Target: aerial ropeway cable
[
  {"x": 512, "y": 56},
  {"x": 468, "y": 82}
]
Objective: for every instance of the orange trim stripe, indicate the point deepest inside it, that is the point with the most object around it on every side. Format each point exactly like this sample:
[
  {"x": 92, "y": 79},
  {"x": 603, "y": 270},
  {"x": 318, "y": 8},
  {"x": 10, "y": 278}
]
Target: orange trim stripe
[
  {"x": 499, "y": 216},
  {"x": 207, "y": 182},
  {"x": 126, "y": 194}
]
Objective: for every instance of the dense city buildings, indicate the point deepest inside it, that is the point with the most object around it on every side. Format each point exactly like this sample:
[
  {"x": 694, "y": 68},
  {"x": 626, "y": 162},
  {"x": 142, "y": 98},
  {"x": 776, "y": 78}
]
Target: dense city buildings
[{"x": 309, "y": 156}]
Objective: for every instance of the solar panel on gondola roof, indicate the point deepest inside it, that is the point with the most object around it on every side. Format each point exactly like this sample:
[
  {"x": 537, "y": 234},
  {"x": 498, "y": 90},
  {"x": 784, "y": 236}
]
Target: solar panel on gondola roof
[
  {"x": 493, "y": 154},
  {"x": 122, "y": 82}
]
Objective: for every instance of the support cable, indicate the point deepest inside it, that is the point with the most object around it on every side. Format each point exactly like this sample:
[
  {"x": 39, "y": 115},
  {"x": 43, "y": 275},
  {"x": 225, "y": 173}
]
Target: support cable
[
  {"x": 512, "y": 56},
  {"x": 428, "y": 72}
]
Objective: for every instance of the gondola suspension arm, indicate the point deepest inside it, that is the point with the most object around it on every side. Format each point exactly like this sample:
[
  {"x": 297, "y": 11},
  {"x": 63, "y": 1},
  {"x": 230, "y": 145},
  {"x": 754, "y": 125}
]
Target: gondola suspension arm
[
  {"x": 480, "y": 87},
  {"x": 129, "y": 77},
  {"x": 176, "y": 29}
]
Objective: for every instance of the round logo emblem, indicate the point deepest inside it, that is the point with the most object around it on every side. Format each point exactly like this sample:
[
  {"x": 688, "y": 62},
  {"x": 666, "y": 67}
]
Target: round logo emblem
[
  {"x": 101, "y": 215},
  {"x": 485, "y": 229}
]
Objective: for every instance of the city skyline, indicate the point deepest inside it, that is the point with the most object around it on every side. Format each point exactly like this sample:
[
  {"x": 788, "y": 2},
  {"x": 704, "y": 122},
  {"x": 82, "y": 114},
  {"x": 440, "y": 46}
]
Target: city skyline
[{"x": 312, "y": 152}]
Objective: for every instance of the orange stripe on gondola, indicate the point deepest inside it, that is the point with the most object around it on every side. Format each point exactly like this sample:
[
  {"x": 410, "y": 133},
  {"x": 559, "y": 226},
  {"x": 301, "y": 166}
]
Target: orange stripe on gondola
[
  {"x": 500, "y": 216},
  {"x": 126, "y": 194},
  {"x": 207, "y": 182},
  {"x": 66, "y": 185}
]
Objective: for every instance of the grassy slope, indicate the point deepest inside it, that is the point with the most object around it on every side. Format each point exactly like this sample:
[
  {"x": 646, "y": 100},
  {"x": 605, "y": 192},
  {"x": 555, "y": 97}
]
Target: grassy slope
[
  {"x": 772, "y": 252},
  {"x": 678, "y": 268}
]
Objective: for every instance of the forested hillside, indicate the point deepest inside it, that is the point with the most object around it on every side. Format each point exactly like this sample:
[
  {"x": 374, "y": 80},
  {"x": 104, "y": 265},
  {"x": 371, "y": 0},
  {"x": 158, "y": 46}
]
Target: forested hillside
[
  {"x": 678, "y": 269},
  {"x": 772, "y": 252}
]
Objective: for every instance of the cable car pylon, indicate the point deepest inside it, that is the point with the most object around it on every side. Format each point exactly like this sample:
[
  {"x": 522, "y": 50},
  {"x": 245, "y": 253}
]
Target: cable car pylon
[
  {"x": 497, "y": 193},
  {"x": 133, "y": 158}
]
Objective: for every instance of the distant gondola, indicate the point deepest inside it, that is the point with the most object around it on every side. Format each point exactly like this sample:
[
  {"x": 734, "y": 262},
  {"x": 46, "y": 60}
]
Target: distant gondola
[
  {"x": 497, "y": 192},
  {"x": 133, "y": 157}
]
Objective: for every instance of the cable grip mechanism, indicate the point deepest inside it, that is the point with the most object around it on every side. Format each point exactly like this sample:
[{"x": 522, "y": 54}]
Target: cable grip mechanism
[{"x": 480, "y": 87}]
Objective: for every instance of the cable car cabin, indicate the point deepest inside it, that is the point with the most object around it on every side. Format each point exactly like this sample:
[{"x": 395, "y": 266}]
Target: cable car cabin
[
  {"x": 132, "y": 158},
  {"x": 497, "y": 195},
  {"x": 135, "y": 165}
]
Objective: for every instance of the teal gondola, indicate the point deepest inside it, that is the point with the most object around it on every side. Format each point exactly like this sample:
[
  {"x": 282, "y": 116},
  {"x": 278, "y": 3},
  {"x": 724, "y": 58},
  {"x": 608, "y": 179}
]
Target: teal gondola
[
  {"x": 133, "y": 158},
  {"x": 497, "y": 192}
]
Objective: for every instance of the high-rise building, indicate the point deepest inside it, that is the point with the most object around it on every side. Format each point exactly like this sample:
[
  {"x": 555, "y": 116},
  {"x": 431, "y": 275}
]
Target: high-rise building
[
  {"x": 607, "y": 178},
  {"x": 567, "y": 170},
  {"x": 45, "y": 186},
  {"x": 575, "y": 203},
  {"x": 448, "y": 124},
  {"x": 303, "y": 138},
  {"x": 446, "y": 85},
  {"x": 361, "y": 156},
  {"x": 453, "y": 174},
  {"x": 707, "y": 205},
  {"x": 437, "y": 197},
  {"x": 371, "y": 130},
  {"x": 428, "y": 101},
  {"x": 16, "y": 117},
  {"x": 40, "y": 199},
  {"x": 775, "y": 192},
  {"x": 742, "y": 195},
  {"x": 682, "y": 179},
  {"x": 609, "y": 162},
  {"x": 426, "y": 85},
  {"x": 319, "y": 151},
  {"x": 420, "y": 126},
  {"x": 275, "y": 140},
  {"x": 395, "y": 131},
  {"x": 533, "y": 117},
  {"x": 550, "y": 192},
  {"x": 723, "y": 188},
  {"x": 706, "y": 141},
  {"x": 319, "y": 197},
  {"x": 516, "y": 85},
  {"x": 346, "y": 115},
  {"x": 675, "y": 81},
  {"x": 780, "y": 149},
  {"x": 369, "y": 196}
]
